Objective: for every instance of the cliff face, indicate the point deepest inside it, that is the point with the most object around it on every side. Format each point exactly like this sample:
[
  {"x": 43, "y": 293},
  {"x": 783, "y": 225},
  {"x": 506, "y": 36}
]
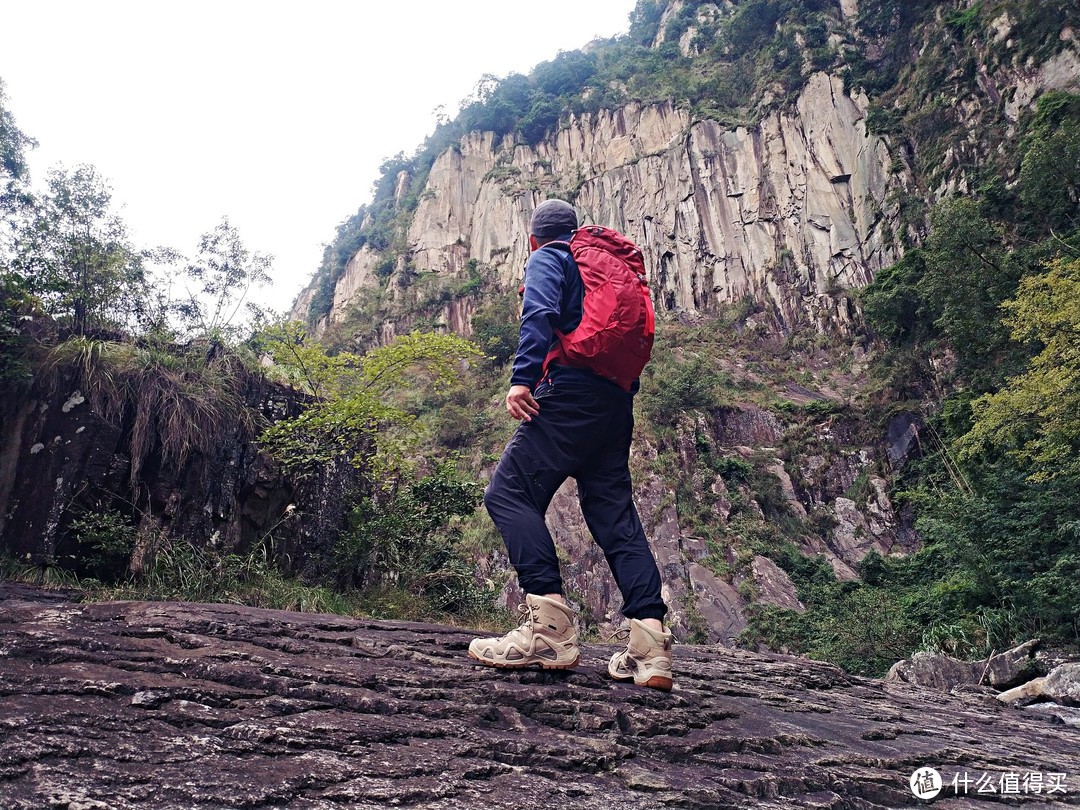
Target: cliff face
[
  {"x": 789, "y": 211},
  {"x": 61, "y": 460},
  {"x": 784, "y": 212}
]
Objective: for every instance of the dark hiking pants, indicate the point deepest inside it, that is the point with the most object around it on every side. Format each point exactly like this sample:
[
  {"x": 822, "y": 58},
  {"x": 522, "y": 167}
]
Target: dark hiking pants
[{"x": 583, "y": 431}]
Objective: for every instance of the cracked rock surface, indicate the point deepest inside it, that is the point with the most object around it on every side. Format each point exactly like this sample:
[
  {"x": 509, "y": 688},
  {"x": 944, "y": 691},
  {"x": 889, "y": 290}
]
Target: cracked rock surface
[{"x": 170, "y": 705}]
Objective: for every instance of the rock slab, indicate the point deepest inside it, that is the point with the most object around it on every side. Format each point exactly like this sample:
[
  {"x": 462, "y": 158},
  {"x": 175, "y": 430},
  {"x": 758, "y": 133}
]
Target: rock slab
[{"x": 176, "y": 705}]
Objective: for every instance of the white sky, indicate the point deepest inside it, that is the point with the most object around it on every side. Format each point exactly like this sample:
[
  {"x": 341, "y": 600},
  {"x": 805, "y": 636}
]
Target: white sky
[{"x": 276, "y": 114}]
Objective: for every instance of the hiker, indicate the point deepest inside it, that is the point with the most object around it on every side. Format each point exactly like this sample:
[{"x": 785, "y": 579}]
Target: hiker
[{"x": 575, "y": 422}]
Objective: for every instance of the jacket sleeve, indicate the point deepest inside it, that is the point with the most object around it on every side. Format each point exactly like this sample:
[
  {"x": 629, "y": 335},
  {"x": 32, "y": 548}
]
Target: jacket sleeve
[{"x": 545, "y": 279}]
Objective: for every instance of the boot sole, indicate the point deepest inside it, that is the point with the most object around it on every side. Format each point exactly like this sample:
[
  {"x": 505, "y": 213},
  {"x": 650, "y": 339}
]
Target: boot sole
[
  {"x": 660, "y": 682},
  {"x": 543, "y": 664}
]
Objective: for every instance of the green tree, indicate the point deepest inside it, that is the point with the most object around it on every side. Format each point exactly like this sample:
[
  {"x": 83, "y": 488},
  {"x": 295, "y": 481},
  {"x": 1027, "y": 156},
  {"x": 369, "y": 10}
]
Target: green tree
[
  {"x": 966, "y": 277},
  {"x": 15, "y": 298},
  {"x": 495, "y": 327},
  {"x": 1050, "y": 178},
  {"x": 76, "y": 255},
  {"x": 14, "y": 144},
  {"x": 1035, "y": 416},
  {"x": 892, "y": 304},
  {"x": 222, "y": 275},
  {"x": 16, "y": 306},
  {"x": 566, "y": 73},
  {"x": 402, "y": 533},
  {"x": 353, "y": 417}
]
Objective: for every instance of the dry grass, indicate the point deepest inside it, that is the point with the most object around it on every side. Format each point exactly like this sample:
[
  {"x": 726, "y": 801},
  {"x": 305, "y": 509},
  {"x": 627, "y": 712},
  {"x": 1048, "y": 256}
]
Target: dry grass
[{"x": 179, "y": 401}]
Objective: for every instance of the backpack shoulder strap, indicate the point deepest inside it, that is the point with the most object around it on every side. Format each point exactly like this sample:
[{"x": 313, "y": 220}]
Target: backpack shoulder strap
[
  {"x": 564, "y": 249},
  {"x": 562, "y": 246}
]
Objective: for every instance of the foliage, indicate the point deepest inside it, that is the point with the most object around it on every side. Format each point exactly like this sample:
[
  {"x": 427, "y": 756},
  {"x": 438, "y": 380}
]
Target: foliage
[
  {"x": 1008, "y": 552},
  {"x": 353, "y": 418},
  {"x": 105, "y": 541},
  {"x": 892, "y": 304},
  {"x": 400, "y": 546},
  {"x": 75, "y": 255},
  {"x": 17, "y": 306},
  {"x": 303, "y": 363},
  {"x": 1050, "y": 170},
  {"x": 968, "y": 274},
  {"x": 672, "y": 386},
  {"x": 183, "y": 571},
  {"x": 862, "y": 628},
  {"x": 1035, "y": 416},
  {"x": 224, "y": 272},
  {"x": 45, "y": 572},
  {"x": 995, "y": 493},
  {"x": 402, "y": 534},
  {"x": 14, "y": 144},
  {"x": 167, "y": 370},
  {"x": 645, "y": 21},
  {"x": 181, "y": 401},
  {"x": 495, "y": 327}
]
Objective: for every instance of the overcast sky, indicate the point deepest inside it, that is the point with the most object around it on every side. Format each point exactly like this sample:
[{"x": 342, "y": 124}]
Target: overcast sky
[{"x": 275, "y": 114}]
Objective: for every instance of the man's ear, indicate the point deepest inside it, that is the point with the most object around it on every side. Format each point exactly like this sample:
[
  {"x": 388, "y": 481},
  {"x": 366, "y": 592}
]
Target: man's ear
[{"x": 534, "y": 243}]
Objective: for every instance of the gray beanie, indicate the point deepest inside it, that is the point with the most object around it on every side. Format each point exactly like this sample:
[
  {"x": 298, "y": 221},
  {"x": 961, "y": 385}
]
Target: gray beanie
[{"x": 553, "y": 218}]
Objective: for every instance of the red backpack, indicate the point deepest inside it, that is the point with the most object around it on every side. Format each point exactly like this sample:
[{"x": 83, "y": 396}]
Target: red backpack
[{"x": 615, "y": 336}]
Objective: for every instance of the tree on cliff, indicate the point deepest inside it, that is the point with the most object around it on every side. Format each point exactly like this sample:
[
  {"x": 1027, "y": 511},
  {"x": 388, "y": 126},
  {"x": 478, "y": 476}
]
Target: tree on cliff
[
  {"x": 13, "y": 145},
  {"x": 222, "y": 276},
  {"x": 1035, "y": 416},
  {"x": 14, "y": 196},
  {"x": 75, "y": 254}
]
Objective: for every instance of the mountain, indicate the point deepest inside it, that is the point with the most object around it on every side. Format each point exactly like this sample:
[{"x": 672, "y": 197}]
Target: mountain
[
  {"x": 792, "y": 196},
  {"x": 772, "y": 158}
]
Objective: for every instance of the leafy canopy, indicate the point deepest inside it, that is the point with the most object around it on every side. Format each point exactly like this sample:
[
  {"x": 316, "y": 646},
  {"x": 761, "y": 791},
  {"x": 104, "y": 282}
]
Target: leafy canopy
[
  {"x": 353, "y": 416},
  {"x": 1035, "y": 416},
  {"x": 76, "y": 256}
]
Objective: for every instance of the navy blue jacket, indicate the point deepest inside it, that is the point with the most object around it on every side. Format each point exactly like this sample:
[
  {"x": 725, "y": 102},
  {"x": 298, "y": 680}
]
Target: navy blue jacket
[{"x": 553, "y": 300}]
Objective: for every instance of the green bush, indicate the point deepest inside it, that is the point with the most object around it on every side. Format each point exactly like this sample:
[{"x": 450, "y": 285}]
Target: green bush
[
  {"x": 403, "y": 534},
  {"x": 105, "y": 542},
  {"x": 495, "y": 328},
  {"x": 16, "y": 307},
  {"x": 672, "y": 386}
]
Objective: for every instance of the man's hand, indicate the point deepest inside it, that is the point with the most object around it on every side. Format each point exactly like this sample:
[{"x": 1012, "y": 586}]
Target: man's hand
[{"x": 520, "y": 403}]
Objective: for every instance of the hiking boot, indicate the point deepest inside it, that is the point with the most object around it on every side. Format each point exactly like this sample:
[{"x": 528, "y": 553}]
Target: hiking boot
[
  {"x": 546, "y": 637},
  {"x": 646, "y": 660}
]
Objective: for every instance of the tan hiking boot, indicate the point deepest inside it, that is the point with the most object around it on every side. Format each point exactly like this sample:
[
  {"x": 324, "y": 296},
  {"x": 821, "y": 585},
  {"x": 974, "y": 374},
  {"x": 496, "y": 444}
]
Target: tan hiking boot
[
  {"x": 646, "y": 660},
  {"x": 546, "y": 637}
]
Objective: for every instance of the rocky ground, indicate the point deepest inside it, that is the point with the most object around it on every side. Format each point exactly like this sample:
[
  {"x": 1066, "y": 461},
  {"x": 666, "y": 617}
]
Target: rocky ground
[{"x": 166, "y": 705}]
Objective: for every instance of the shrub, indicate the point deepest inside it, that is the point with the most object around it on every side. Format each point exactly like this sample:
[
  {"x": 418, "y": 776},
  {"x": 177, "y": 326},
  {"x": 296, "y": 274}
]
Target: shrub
[
  {"x": 672, "y": 387},
  {"x": 402, "y": 535}
]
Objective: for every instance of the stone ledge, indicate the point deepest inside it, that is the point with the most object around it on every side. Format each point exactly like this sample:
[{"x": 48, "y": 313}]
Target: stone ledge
[{"x": 129, "y": 704}]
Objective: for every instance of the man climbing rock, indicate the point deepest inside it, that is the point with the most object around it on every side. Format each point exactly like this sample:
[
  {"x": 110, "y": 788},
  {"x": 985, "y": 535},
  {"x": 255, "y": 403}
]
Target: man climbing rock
[{"x": 573, "y": 390}]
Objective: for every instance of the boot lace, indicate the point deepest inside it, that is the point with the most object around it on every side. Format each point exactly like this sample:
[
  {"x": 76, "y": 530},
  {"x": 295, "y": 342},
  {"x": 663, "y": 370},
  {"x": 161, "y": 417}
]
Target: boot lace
[
  {"x": 525, "y": 617},
  {"x": 618, "y": 634},
  {"x": 623, "y": 634}
]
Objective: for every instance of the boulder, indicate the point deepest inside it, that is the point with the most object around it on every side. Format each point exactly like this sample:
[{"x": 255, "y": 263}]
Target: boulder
[
  {"x": 940, "y": 671},
  {"x": 935, "y": 670},
  {"x": 1061, "y": 686}
]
